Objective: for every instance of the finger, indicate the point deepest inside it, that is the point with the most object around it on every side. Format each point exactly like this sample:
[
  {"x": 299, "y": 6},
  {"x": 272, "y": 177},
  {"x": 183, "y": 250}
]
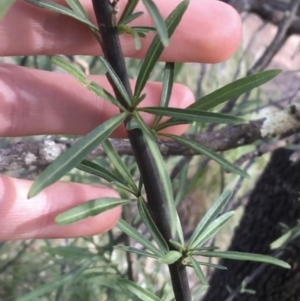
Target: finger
[
  {"x": 210, "y": 31},
  {"x": 21, "y": 218},
  {"x": 35, "y": 102}
]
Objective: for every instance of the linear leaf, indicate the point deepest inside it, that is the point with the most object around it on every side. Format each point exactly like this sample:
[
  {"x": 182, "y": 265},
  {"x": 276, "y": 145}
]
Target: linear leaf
[
  {"x": 137, "y": 41},
  {"x": 194, "y": 115},
  {"x": 129, "y": 8},
  {"x": 177, "y": 245},
  {"x": 213, "y": 228},
  {"x": 81, "y": 77},
  {"x": 170, "y": 257},
  {"x": 50, "y": 5},
  {"x": 4, "y": 7},
  {"x": 168, "y": 123},
  {"x": 138, "y": 237},
  {"x": 119, "y": 164},
  {"x": 136, "y": 251},
  {"x": 156, "y": 47},
  {"x": 200, "y": 274},
  {"x": 167, "y": 83},
  {"x": 125, "y": 187},
  {"x": 158, "y": 21},
  {"x": 138, "y": 291},
  {"x": 101, "y": 92},
  {"x": 199, "y": 251},
  {"x": 142, "y": 125},
  {"x": 210, "y": 216},
  {"x": 73, "y": 156},
  {"x": 143, "y": 29},
  {"x": 88, "y": 209},
  {"x": 212, "y": 265},
  {"x": 78, "y": 8},
  {"x": 179, "y": 229},
  {"x": 131, "y": 17},
  {"x": 151, "y": 226},
  {"x": 246, "y": 257},
  {"x": 182, "y": 184},
  {"x": 97, "y": 170},
  {"x": 285, "y": 238},
  {"x": 166, "y": 185},
  {"x": 209, "y": 153},
  {"x": 234, "y": 89},
  {"x": 115, "y": 78},
  {"x": 70, "y": 68}
]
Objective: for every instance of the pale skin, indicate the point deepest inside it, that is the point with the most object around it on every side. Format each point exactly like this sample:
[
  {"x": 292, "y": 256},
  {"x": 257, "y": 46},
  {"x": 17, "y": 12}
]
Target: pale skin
[{"x": 34, "y": 102}]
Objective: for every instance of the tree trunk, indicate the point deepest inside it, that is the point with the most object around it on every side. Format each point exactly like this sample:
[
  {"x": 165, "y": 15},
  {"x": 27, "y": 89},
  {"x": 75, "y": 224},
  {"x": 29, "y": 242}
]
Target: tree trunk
[{"x": 273, "y": 202}]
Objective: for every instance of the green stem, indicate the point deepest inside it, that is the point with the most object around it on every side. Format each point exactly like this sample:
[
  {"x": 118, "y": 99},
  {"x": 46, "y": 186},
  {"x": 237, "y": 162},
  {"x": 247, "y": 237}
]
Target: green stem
[{"x": 113, "y": 53}]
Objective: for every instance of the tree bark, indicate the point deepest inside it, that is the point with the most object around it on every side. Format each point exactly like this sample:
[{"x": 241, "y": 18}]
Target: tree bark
[{"x": 274, "y": 201}]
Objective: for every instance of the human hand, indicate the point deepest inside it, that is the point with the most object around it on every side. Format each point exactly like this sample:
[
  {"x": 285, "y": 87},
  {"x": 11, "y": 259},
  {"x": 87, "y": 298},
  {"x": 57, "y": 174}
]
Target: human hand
[{"x": 35, "y": 102}]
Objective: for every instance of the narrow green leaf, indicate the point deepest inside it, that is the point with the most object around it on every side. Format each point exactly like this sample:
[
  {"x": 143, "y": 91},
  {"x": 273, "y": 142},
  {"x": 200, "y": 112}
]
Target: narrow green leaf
[
  {"x": 137, "y": 41},
  {"x": 97, "y": 170},
  {"x": 170, "y": 258},
  {"x": 4, "y": 7},
  {"x": 70, "y": 68},
  {"x": 209, "y": 153},
  {"x": 81, "y": 77},
  {"x": 142, "y": 125},
  {"x": 78, "y": 8},
  {"x": 179, "y": 229},
  {"x": 99, "y": 91},
  {"x": 115, "y": 78},
  {"x": 136, "y": 251},
  {"x": 200, "y": 274},
  {"x": 194, "y": 115},
  {"x": 156, "y": 47},
  {"x": 119, "y": 164},
  {"x": 166, "y": 185},
  {"x": 246, "y": 257},
  {"x": 210, "y": 216},
  {"x": 177, "y": 245},
  {"x": 288, "y": 236},
  {"x": 211, "y": 265},
  {"x": 125, "y": 187},
  {"x": 134, "y": 234},
  {"x": 50, "y": 5},
  {"x": 151, "y": 226},
  {"x": 234, "y": 89},
  {"x": 158, "y": 21},
  {"x": 198, "y": 251},
  {"x": 143, "y": 29},
  {"x": 73, "y": 156},
  {"x": 138, "y": 291},
  {"x": 279, "y": 242},
  {"x": 129, "y": 8},
  {"x": 88, "y": 209},
  {"x": 168, "y": 81},
  {"x": 213, "y": 228},
  {"x": 168, "y": 123},
  {"x": 131, "y": 17},
  {"x": 182, "y": 185}
]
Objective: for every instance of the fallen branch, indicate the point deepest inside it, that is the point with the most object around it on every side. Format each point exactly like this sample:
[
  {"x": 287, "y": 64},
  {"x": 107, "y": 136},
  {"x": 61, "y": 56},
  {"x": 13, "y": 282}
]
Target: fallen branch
[{"x": 40, "y": 153}]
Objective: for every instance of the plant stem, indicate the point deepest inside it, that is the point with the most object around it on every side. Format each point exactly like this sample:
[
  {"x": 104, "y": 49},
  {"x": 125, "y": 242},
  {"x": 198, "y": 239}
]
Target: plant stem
[{"x": 111, "y": 47}]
